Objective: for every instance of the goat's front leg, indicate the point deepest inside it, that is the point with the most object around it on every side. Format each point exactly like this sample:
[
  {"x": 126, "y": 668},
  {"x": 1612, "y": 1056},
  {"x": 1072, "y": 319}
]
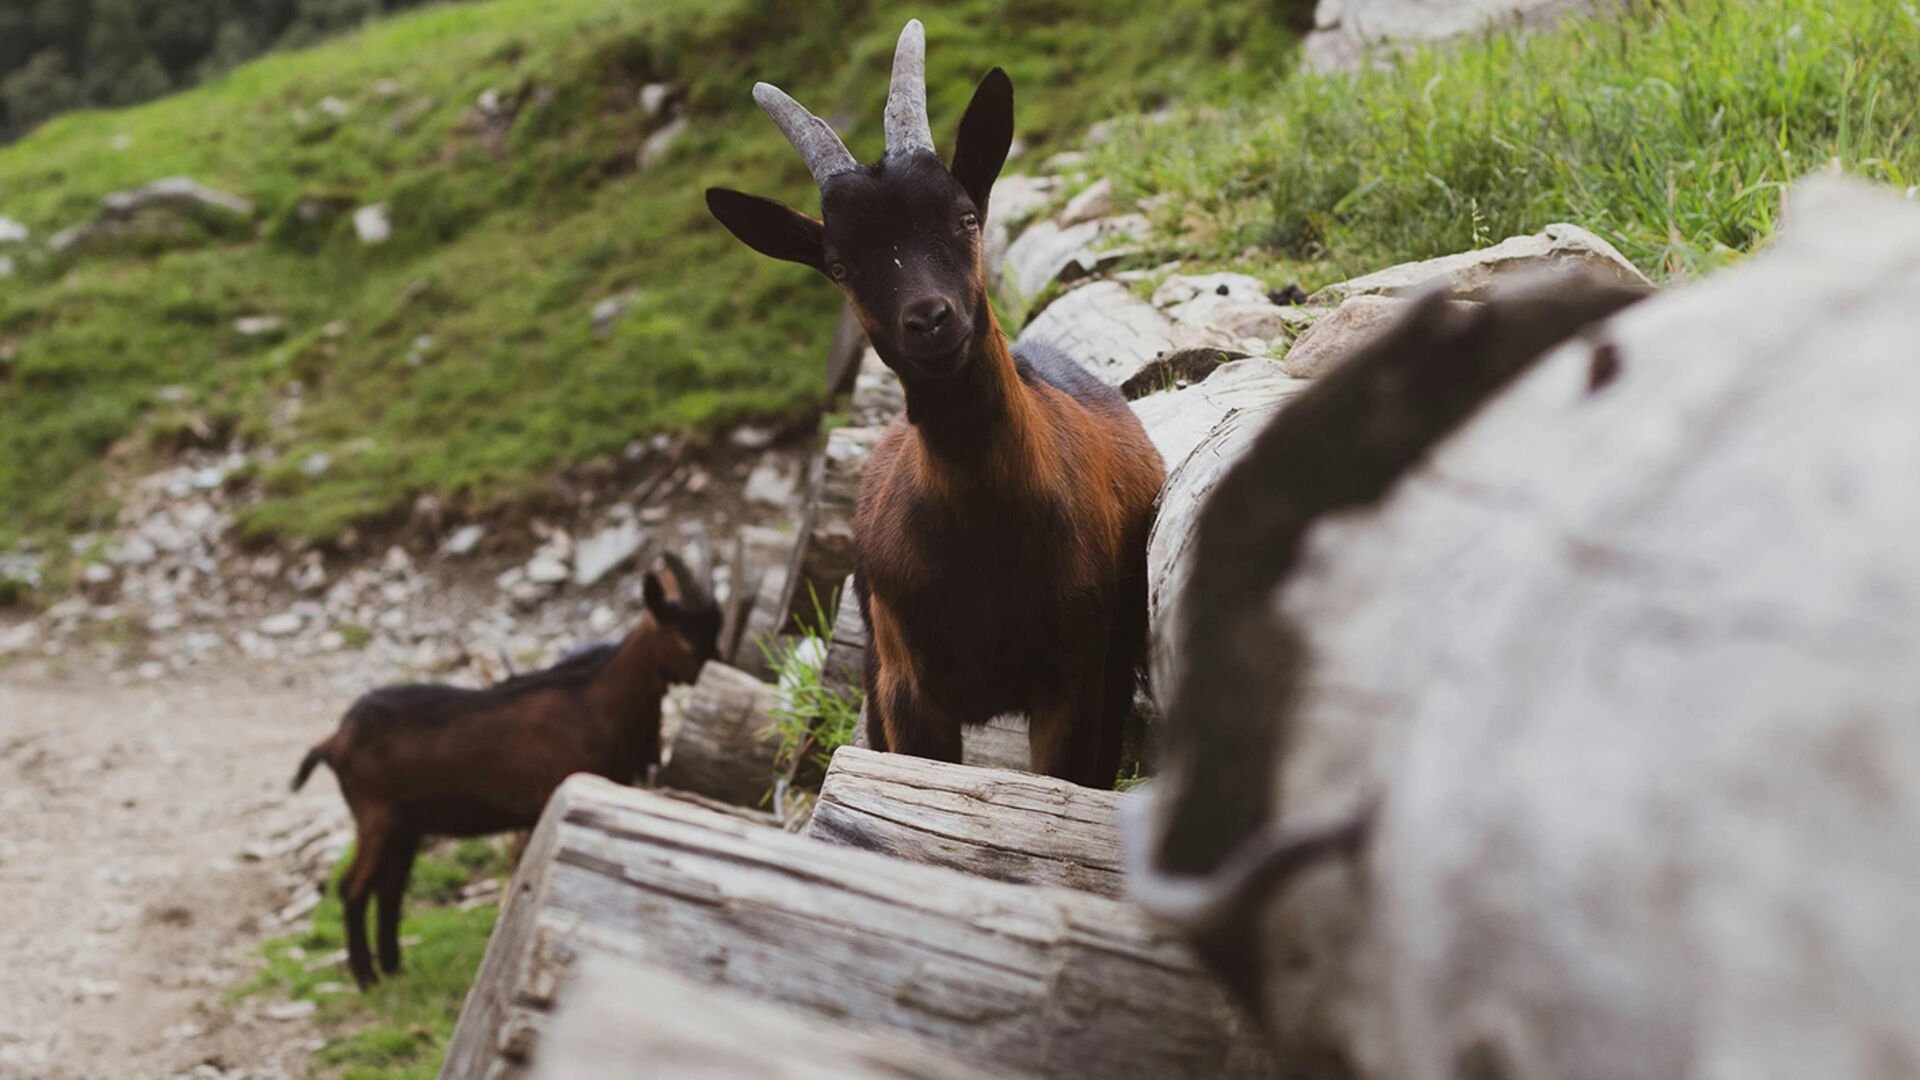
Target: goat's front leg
[
  {"x": 1074, "y": 734},
  {"x": 900, "y": 718}
]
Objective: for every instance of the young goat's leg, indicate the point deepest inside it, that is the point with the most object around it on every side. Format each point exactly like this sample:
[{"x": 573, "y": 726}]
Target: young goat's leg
[
  {"x": 395, "y": 870},
  {"x": 1077, "y": 737},
  {"x": 370, "y": 842}
]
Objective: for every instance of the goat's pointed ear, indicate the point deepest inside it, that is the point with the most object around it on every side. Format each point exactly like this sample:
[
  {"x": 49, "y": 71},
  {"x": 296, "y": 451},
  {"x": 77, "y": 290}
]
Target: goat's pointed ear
[
  {"x": 986, "y": 133},
  {"x": 770, "y": 228},
  {"x": 654, "y": 592}
]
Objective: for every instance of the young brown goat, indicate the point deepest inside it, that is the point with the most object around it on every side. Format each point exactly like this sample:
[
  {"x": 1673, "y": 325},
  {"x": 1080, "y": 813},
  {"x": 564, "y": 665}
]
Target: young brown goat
[
  {"x": 421, "y": 760},
  {"x": 1002, "y": 523}
]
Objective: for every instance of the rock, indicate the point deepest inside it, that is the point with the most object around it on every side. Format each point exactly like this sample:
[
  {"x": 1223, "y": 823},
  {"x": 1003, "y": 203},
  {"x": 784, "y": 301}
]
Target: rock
[
  {"x": 547, "y": 570},
  {"x": 316, "y": 464},
  {"x": 12, "y": 232},
  {"x": 464, "y": 540},
  {"x": 655, "y": 97},
  {"x": 179, "y": 195},
  {"x": 258, "y": 325},
  {"x": 602, "y": 619},
  {"x": 18, "y": 639},
  {"x": 331, "y": 641},
  {"x": 135, "y": 550},
  {"x": 1094, "y": 202},
  {"x": 1247, "y": 390},
  {"x": 1046, "y": 252},
  {"x": 162, "y": 621},
  {"x": 604, "y": 552},
  {"x": 610, "y": 311},
  {"x": 96, "y": 574},
  {"x": 6, "y": 270},
  {"x": 1471, "y": 274},
  {"x": 1346, "y": 331},
  {"x": 372, "y": 225},
  {"x": 1184, "y": 288},
  {"x": 1016, "y": 200},
  {"x": 151, "y": 670},
  {"x": 1345, "y": 32},
  {"x": 775, "y": 482},
  {"x": 1113, "y": 333},
  {"x": 290, "y": 1010},
  {"x": 332, "y": 107},
  {"x": 752, "y": 437},
  {"x": 661, "y": 141},
  {"x": 1234, "y": 304}
]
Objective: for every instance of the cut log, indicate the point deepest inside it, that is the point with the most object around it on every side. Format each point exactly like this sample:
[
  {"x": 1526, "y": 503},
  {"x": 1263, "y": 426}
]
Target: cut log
[
  {"x": 993, "y": 823},
  {"x": 846, "y": 664},
  {"x": 718, "y": 735},
  {"x": 1014, "y": 980},
  {"x": 1626, "y": 665},
  {"x": 1113, "y": 333},
  {"x": 825, "y": 556},
  {"x": 767, "y": 553},
  {"x": 877, "y": 394},
  {"x": 1179, "y": 420},
  {"x": 621, "y": 1019},
  {"x": 1045, "y": 253}
]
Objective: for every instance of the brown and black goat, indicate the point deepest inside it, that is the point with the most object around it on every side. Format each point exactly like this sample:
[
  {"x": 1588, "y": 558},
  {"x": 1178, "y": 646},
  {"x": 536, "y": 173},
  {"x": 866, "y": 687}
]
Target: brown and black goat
[
  {"x": 429, "y": 760},
  {"x": 1002, "y": 522}
]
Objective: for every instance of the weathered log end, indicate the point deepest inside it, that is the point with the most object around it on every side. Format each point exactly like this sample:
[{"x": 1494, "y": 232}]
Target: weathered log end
[{"x": 992, "y": 823}]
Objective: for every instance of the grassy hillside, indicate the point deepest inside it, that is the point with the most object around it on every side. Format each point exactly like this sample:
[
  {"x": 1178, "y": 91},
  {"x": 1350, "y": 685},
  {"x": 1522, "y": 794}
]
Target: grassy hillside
[
  {"x": 460, "y": 356},
  {"x": 1672, "y": 133}
]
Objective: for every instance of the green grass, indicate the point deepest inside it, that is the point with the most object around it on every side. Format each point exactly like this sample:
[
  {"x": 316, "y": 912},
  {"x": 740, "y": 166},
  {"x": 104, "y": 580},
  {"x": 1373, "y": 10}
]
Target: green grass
[
  {"x": 399, "y": 1029},
  {"x": 1671, "y": 133},
  {"x": 502, "y": 245},
  {"x": 809, "y": 705}
]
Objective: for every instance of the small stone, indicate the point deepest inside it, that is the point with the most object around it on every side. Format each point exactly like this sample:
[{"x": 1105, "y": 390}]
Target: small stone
[
  {"x": 1095, "y": 202},
  {"x": 316, "y": 464},
  {"x": 331, "y": 641},
  {"x": 135, "y": 550},
  {"x": 372, "y": 225},
  {"x": 752, "y": 437},
  {"x": 162, "y": 621},
  {"x": 285, "y": 624},
  {"x": 96, "y": 574},
  {"x": 602, "y": 620},
  {"x": 12, "y": 232},
  {"x": 332, "y": 106},
  {"x": 258, "y": 325},
  {"x": 599, "y": 555},
  {"x": 658, "y": 143},
  {"x": 289, "y": 1010},
  {"x": 609, "y": 311},
  {"x": 546, "y": 570},
  {"x": 464, "y": 540},
  {"x": 654, "y": 98},
  {"x": 772, "y": 483},
  {"x": 151, "y": 670}
]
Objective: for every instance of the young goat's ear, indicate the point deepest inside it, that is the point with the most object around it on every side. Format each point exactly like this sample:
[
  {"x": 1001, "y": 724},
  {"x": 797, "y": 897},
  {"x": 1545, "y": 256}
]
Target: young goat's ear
[
  {"x": 986, "y": 133},
  {"x": 770, "y": 228},
  {"x": 654, "y": 592}
]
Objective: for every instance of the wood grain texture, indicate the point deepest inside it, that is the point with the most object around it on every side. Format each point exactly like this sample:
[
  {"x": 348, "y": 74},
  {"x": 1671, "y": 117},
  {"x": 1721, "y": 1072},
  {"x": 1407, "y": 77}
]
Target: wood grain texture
[
  {"x": 824, "y": 555},
  {"x": 1629, "y": 665},
  {"x": 622, "y": 1018},
  {"x": 992, "y": 823},
  {"x": 1013, "y": 980},
  {"x": 719, "y": 736}
]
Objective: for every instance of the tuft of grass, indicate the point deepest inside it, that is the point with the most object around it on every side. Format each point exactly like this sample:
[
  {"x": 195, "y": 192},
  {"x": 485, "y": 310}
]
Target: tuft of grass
[
  {"x": 399, "y": 1029},
  {"x": 813, "y": 717},
  {"x": 460, "y": 357},
  {"x": 1670, "y": 131}
]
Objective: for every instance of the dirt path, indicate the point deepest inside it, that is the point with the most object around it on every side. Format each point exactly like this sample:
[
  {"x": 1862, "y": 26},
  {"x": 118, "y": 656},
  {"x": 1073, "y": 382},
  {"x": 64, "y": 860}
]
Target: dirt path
[{"x": 136, "y": 872}]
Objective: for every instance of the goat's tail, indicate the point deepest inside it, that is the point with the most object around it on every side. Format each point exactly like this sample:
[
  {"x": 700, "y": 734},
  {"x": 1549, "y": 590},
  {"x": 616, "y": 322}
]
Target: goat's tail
[{"x": 315, "y": 756}]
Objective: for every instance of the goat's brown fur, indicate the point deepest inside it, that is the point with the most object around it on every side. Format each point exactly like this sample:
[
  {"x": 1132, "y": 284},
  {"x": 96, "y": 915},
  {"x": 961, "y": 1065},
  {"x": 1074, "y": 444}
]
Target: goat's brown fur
[{"x": 420, "y": 760}]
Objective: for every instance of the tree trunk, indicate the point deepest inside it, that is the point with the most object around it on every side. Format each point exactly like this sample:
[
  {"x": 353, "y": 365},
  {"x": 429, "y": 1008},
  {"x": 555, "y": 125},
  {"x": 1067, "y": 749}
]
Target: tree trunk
[
  {"x": 992, "y": 823},
  {"x": 1011, "y": 980},
  {"x": 621, "y": 1019},
  {"x": 1625, "y": 664},
  {"x": 824, "y": 556},
  {"x": 719, "y": 736}
]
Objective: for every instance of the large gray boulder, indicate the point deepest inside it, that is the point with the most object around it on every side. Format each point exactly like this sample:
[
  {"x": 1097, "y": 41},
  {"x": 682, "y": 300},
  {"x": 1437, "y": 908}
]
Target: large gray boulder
[
  {"x": 1346, "y": 32},
  {"x": 1625, "y": 669}
]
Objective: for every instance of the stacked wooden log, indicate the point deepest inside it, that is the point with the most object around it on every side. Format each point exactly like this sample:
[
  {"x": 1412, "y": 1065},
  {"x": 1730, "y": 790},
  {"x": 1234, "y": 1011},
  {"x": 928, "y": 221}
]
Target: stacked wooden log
[{"x": 999, "y": 976}]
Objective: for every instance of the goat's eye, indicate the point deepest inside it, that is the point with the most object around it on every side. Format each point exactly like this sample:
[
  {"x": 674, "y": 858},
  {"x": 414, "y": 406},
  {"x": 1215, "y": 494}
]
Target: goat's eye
[
  {"x": 838, "y": 270},
  {"x": 969, "y": 221}
]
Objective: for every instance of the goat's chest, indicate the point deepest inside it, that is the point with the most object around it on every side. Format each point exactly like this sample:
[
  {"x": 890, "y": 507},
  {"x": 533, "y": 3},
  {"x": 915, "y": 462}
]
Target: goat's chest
[{"x": 987, "y": 598}]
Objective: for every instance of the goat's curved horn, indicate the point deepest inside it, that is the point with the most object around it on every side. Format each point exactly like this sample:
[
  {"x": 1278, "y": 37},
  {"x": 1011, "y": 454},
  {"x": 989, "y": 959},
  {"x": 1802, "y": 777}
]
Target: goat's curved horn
[
  {"x": 819, "y": 147},
  {"x": 907, "y": 127}
]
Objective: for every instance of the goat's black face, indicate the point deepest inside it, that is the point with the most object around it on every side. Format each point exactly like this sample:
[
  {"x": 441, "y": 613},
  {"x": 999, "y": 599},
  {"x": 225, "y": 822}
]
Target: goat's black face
[
  {"x": 902, "y": 239},
  {"x": 684, "y": 607}
]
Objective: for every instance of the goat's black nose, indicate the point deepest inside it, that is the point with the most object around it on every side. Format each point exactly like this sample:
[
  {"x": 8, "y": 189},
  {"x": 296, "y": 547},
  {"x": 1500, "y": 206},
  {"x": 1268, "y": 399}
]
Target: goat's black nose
[{"x": 927, "y": 317}]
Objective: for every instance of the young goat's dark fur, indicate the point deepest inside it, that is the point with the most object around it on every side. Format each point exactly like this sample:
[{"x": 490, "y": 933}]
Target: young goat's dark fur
[
  {"x": 421, "y": 760},
  {"x": 1002, "y": 522}
]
